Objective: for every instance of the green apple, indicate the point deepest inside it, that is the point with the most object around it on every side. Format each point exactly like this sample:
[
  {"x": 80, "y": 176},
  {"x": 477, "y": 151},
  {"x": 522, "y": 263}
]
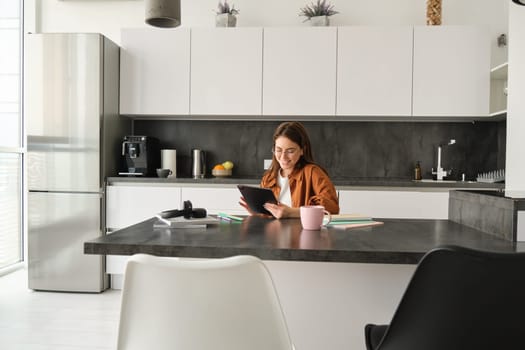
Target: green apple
[{"x": 228, "y": 165}]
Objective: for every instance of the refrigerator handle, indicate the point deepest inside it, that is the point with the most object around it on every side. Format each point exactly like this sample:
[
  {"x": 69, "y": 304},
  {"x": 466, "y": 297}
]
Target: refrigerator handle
[{"x": 103, "y": 210}]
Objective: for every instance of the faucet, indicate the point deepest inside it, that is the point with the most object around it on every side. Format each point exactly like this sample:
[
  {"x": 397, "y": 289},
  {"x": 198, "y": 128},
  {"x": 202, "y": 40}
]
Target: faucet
[{"x": 440, "y": 172}]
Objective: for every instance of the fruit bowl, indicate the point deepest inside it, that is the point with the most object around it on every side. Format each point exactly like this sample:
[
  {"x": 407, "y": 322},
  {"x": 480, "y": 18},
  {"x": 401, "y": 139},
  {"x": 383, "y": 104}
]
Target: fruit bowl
[{"x": 221, "y": 172}]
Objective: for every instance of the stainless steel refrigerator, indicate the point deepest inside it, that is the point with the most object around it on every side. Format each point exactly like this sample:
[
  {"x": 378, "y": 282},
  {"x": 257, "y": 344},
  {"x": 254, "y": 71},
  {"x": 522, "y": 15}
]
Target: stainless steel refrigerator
[{"x": 73, "y": 143}]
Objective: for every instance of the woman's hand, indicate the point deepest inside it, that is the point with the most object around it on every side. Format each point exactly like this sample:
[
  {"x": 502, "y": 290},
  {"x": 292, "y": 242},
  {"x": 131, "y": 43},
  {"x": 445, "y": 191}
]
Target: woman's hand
[
  {"x": 243, "y": 204},
  {"x": 281, "y": 211}
]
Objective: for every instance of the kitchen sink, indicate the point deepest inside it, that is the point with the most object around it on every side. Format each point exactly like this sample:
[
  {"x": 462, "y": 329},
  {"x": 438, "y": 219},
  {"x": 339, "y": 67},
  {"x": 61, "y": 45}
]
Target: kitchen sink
[{"x": 444, "y": 181}]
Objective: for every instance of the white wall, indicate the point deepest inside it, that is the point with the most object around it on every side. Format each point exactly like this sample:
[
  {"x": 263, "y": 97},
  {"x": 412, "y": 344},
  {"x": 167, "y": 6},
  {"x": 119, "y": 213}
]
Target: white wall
[
  {"x": 107, "y": 17},
  {"x": 515, "y": 165}
]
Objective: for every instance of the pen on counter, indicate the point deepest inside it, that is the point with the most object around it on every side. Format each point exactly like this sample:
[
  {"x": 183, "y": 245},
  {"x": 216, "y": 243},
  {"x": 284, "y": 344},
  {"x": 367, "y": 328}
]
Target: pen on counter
[
  {"x": 345, "y": 222},
  {"x": 229, "y": 217},
  {"x": 224, "y": 218}
]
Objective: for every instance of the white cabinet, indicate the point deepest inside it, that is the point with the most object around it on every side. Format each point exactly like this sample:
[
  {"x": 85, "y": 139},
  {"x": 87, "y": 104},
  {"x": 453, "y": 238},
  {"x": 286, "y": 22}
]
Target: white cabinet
[
  {"x": 422, "y": 71},
  {"x": 395, "y": 204},
  {"x": 299, "y": 71},
  {"x": 226, "y": 71},
  {"x": 451, "y": 71},
  {"x": 374, "y": 71},
  {"x": 155, "y": 72},
  {"x": 128, "y": 205},
  {"x": 214, "y": 199}
]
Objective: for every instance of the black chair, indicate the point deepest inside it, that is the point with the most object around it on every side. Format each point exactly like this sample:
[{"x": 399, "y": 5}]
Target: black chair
[{"x": 458, "y": 299}]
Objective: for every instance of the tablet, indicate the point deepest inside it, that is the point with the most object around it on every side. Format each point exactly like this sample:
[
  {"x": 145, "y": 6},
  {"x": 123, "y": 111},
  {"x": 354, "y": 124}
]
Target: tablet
[{"x": 255, "y": 197}]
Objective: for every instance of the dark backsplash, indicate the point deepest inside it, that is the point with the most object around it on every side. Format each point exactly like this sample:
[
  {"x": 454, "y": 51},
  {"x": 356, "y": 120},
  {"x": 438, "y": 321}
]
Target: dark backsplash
[{"x": 345, "y": 149}]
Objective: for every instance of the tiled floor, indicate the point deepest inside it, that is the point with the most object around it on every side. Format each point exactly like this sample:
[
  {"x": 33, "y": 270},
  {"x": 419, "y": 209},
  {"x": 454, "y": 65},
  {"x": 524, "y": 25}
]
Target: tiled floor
[{"x": 32, "y": 320}]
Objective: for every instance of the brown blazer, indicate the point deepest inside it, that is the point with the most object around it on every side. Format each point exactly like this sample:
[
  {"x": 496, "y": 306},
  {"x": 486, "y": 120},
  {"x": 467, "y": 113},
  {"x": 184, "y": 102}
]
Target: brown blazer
[{"x": 308, "y": 186}]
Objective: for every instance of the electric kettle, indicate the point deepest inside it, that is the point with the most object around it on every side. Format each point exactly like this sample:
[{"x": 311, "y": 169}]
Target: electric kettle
[{"x": 198, "y": 164}]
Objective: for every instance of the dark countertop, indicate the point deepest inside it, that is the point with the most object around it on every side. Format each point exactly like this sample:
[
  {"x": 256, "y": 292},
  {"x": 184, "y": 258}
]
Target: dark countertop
[
  {"x": 398, "y": 241},
  {"x": 340, "y": 183},
  {"x": 520, "y": 201}
]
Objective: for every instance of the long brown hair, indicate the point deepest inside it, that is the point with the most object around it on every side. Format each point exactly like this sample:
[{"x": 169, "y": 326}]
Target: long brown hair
[{"x": 295, "y": 132}]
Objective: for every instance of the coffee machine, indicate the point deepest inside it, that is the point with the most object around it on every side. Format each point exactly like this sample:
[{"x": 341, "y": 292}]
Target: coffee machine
[{"x": 141, "y": 155}]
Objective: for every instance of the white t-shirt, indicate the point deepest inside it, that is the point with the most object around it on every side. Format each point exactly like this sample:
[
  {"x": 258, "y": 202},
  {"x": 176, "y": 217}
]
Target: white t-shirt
[{"x": 285, "y": 196}]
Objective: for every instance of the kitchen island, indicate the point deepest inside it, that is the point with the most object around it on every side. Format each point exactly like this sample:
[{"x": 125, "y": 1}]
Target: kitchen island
[
  {"x": 330, "y": 282},
  {"x": 398, "y": 241}
]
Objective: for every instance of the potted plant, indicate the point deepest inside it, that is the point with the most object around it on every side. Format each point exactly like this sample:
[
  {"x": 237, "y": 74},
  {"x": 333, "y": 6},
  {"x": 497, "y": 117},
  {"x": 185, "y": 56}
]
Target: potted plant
[
  {"x": 318, "y": 13},
  {"x": 226, "y": 15}
]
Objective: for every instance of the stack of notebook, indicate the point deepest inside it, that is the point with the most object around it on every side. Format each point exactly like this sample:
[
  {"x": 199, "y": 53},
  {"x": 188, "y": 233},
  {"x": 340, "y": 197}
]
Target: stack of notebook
[
  {"x": 181, "y": 222},
  {"x": 229, "y": 217},
  {"x": 346, "y": 221}
]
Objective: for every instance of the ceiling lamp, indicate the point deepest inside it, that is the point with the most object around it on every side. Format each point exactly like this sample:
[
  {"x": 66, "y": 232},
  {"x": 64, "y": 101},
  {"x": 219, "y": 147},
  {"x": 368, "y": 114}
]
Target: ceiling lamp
[
  {"x": 519, "y": 2},
  {"x": 163, "y": 13}
]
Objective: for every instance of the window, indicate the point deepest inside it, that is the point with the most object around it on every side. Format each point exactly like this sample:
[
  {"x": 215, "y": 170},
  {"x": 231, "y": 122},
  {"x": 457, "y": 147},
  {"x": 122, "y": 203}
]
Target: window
[
  {"x": 10, "y": 209},
  {"x": 11, "y": 151}
]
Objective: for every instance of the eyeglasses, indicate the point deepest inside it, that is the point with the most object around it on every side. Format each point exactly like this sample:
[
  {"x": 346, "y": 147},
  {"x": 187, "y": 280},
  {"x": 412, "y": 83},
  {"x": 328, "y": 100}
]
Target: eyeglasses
[{"x": 289, "y": 151}]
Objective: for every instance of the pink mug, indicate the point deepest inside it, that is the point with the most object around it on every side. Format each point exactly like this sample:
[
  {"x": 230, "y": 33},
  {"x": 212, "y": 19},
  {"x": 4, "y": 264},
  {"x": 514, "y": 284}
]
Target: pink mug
[{"x": 312, "y": 216}]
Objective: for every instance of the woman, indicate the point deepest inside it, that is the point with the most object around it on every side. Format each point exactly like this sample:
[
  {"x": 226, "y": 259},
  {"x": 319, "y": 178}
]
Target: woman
[{"x": 294, "y": 178}]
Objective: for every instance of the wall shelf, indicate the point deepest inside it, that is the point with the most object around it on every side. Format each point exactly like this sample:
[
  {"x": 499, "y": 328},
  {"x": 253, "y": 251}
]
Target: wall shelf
[
  {"x": 498, "y": 86},
  {"x": 499, "y": 72},
  {"x": 498, "y": 115}
]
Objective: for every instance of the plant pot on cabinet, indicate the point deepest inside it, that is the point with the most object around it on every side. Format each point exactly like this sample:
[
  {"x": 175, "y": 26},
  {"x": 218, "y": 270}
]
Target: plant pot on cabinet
[
  {"x": 319, "y": 21},
  {"x": 225, "y": 20}
]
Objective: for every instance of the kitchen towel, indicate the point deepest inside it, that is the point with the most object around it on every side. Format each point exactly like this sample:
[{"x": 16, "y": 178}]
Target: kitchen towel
[{"x": 169, "y": 160}]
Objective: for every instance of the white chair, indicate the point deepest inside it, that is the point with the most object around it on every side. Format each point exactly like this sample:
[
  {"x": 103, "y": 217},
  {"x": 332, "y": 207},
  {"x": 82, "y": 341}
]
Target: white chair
[{"x": 176, "y": 304}]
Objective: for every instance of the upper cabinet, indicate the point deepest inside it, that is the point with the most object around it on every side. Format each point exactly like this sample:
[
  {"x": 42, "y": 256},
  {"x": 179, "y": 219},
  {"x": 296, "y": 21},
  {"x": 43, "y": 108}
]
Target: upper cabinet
[
  {"x": 299, "y": 71},
  {"x": 155, "y": 72},
  {"x": 451, "y": 71},
  {"x": 374, "y": 71},
  {"x": 226, "y": 71},
  {"x": 352, "y": 72}
]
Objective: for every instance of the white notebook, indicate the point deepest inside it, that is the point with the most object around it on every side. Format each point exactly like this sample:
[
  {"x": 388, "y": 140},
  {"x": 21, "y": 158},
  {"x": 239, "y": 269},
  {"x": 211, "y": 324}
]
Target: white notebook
[{"x": 181, "y": 222}]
